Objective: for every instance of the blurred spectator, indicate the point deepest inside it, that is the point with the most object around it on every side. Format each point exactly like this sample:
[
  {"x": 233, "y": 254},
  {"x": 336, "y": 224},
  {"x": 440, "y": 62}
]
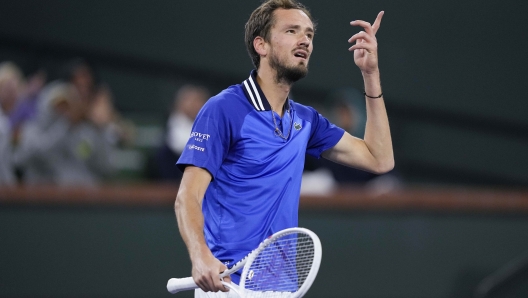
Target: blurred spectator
[
  {"x": 26, "y": 107},
  {"x": 7, "y": 176},
  {"x": 348, "y": 111},
  {"x": 61, "y": 146},
  {"x": 98, "y": 98},
  {"x": 101, "y": 112},
  {"x": 82, "y": 76},
  {"x": 11, "y": 86},
  {"x": 71, "y": 139},
  {"x": 188, "y": 101}
]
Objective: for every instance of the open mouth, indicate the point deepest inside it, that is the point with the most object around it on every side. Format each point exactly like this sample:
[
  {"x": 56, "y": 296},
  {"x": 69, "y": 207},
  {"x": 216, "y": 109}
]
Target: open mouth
[{"x": 301, "y": 54}]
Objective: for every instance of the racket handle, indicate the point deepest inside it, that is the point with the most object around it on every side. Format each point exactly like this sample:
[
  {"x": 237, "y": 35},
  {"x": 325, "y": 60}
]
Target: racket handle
[{"x": 175, "y": 285}]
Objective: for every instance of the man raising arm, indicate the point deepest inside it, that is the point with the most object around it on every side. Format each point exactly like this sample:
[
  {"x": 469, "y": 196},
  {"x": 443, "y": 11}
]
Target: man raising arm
[
  {"x": 244, "y": 159},
  {"x": 374, "y": 153}
]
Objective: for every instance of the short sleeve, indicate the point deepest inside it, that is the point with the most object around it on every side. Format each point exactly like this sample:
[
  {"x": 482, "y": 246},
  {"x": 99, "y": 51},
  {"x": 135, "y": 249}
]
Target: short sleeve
[
  {"x": 209, "y": 140},
  {"x": 324, "y": 134}
]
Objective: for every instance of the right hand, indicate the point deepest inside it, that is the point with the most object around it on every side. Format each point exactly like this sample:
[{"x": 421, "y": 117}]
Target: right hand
[{"x": 206, "y": 273}]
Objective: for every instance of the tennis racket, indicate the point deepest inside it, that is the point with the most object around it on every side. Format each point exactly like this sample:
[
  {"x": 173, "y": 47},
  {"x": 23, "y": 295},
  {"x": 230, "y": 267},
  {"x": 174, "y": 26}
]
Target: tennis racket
[{"x": 283, "y": 265}]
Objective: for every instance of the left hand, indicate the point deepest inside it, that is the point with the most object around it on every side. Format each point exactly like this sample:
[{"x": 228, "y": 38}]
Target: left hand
[
  {"x": 366, "y": 47},
  {"x": 101, "y": 111}
]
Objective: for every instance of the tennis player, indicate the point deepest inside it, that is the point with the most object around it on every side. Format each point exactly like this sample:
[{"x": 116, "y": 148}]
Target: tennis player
[{"x": 244, "y": 159}]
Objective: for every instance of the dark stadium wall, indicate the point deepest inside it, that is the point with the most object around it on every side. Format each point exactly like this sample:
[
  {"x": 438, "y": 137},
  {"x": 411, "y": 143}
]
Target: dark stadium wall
[{"x": 69, "y": 251}]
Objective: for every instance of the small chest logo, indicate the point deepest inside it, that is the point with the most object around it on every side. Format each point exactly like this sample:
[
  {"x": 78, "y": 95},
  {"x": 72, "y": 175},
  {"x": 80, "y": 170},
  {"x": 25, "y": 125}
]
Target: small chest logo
[{"x": 297, "y": 126}]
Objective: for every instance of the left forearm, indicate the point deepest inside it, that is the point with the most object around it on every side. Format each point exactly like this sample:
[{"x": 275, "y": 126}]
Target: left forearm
[{"x": 377, "y": 131}]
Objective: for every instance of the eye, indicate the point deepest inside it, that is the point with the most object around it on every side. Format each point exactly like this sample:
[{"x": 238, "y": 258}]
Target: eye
[{"x": 290, "y": 31}]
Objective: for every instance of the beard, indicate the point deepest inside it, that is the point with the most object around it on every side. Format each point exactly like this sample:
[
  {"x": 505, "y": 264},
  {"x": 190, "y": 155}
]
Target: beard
[{"x": 285, "y": 73}]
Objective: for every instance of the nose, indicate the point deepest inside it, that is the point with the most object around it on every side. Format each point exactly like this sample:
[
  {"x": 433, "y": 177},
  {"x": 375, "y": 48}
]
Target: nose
[{"x": 305, "y": 40}]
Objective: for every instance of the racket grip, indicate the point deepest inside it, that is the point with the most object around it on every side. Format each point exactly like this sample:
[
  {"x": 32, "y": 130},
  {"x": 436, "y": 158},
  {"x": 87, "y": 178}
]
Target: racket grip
[{"x": 175, "y": 285}]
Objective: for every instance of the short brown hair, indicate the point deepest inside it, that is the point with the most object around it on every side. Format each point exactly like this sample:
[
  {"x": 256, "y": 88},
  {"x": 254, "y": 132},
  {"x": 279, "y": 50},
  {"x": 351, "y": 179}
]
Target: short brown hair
[{"x": 261, "y": 21}]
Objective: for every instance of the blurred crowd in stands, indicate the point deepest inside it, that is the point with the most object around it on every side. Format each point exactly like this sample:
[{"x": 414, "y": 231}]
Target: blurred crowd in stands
[
  {"x": 67, "y": 132},
  {"x": 60, "y": 132}
]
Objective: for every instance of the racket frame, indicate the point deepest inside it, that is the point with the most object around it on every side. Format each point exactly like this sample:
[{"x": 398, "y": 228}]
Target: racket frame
[
  {"x": 316, "y": 262},
  {"x": 175, "y": 285}
]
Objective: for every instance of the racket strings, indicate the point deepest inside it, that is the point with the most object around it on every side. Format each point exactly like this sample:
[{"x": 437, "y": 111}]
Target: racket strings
[{"x": 282, "y": 267}]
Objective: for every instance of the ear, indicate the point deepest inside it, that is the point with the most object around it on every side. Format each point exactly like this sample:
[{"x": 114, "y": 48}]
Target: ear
[{"x": 260, "y": 46}]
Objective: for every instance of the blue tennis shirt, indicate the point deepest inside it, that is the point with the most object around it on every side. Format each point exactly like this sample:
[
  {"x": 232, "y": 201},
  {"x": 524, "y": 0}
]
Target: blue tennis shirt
[{"x": 256, "y": 173}]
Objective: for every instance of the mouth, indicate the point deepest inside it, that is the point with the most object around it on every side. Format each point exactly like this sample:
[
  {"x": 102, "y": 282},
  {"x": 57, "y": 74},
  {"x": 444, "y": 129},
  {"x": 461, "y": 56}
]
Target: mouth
[{"x": 301, "y": 54}]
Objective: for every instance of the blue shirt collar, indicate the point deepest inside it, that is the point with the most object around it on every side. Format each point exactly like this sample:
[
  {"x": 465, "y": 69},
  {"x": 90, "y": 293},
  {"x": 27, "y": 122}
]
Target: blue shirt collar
[{"x": 254, "y": 94}]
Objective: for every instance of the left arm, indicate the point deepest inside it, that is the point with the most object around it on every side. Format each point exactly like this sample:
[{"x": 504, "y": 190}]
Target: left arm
[{"x": 374, "y": 153}]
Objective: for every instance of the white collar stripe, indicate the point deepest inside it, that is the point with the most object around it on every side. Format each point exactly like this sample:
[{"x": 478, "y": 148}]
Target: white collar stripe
[
  {"x": 248, "y": 89},
  {"x": 256, "y": 93}
]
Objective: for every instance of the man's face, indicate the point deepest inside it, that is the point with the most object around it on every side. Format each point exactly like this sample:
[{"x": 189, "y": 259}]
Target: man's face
[{"x": 290, "y": 45}]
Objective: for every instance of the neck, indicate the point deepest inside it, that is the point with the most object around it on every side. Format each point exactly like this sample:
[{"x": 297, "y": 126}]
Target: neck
[{"x": 275, "y": 92}]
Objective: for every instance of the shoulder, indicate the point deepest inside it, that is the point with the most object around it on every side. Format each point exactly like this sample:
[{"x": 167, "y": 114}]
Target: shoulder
[
  {"x": 228, "y": 100},
  {"x": 303, "y": 111},
  {"x": 227, "y": 109}
]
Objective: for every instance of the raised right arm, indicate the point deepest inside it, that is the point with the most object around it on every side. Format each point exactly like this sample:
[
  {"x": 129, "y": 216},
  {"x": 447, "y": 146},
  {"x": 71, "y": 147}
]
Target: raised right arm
[{"x": 188, "y": 208}]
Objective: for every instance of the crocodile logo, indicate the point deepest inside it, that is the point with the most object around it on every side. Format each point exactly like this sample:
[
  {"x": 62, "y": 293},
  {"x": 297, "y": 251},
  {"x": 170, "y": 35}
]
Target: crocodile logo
[{"x": 297, "y": 126}]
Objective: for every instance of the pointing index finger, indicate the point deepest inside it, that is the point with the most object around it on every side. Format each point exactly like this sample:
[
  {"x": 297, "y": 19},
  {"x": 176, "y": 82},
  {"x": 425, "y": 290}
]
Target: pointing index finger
[{"x": 377, "y": 22}]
